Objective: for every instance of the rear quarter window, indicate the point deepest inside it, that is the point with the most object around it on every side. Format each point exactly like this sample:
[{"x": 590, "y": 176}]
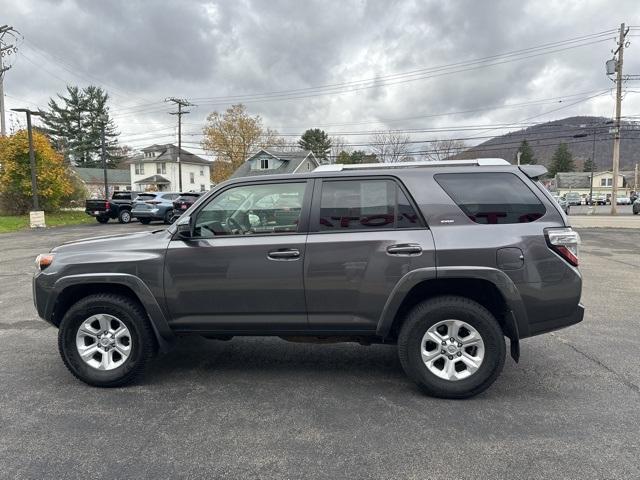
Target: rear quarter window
[{"x": 492, "y": 198}]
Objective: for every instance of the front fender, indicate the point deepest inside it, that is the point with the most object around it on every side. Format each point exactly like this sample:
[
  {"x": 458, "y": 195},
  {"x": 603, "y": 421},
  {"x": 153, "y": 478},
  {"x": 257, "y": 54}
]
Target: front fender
[{"x": 163, "y": 332}]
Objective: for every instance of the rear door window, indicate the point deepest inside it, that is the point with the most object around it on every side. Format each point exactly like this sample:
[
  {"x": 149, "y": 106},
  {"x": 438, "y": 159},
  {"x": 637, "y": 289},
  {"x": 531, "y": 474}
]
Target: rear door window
[
  {"x": 492, "y": 198},
  {"x": 364, "y": 204}
]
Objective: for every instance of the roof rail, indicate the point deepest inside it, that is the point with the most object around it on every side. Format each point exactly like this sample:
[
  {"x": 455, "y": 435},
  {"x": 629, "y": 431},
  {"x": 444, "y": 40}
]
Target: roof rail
[{"x": 479, "y": 162}]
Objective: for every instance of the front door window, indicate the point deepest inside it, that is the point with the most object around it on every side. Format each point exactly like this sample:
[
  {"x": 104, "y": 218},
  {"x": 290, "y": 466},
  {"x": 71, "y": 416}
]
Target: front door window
[{"x": 253, "y": 210}]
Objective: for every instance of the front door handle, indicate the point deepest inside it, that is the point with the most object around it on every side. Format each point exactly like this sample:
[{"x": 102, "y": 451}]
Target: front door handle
[
  {"x": 284, "y": 254},
  {"x": 405, "y": 249}
]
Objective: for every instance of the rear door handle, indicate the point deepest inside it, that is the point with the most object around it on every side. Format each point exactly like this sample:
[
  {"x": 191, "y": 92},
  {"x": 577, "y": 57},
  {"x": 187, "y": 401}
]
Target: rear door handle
[
  {"x": 405, "y": 249},
  {"x": 284, "y": 254}
]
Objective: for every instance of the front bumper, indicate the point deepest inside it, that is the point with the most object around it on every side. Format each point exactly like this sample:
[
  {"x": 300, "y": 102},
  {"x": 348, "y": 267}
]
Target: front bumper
[
  {"x": 41, "y": 295},
  {"x": 147, "y": 214},
  {"x": 557, "y": 323}
]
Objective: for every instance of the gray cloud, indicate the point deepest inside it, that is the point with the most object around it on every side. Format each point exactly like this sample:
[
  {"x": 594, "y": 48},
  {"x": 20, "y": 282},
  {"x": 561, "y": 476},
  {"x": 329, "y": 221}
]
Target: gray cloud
[{"x": 143, "y": 51}]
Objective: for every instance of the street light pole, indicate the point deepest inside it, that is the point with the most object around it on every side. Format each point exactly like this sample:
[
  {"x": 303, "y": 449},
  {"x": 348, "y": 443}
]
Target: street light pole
[{"x": 32, "y": 157}]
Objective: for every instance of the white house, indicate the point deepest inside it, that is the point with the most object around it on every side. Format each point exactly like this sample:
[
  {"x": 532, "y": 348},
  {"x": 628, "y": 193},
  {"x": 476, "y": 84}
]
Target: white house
[
  {"x": 156, "y": 169},
  {"x": 602, "y": 184}
]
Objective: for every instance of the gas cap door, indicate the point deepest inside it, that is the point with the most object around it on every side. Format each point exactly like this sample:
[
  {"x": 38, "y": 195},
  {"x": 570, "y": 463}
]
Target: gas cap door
[{"x": 510, "y": 258}]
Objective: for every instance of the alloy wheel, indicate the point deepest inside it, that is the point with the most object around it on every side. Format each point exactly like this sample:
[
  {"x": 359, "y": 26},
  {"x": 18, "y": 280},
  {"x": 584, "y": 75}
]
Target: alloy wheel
[
  {"x": 103, "y": 342},
  {"x": 452, "y": 350}
]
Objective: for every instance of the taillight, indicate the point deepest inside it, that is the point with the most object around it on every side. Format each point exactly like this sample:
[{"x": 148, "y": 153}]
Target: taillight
[
  {"x": 107, "y": 205},
  {"x": 564, "y": 241}
]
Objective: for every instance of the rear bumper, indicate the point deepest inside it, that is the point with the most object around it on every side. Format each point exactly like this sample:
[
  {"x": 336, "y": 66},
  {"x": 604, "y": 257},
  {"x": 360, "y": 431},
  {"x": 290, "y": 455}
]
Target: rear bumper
[
  {"x": 576, "y": 316},
  {"x": 98, "y": 213}
]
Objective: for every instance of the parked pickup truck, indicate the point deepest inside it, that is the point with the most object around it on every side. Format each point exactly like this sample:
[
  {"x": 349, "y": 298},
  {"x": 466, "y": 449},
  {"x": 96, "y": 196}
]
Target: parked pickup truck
[{"x": 118, "y": 207}]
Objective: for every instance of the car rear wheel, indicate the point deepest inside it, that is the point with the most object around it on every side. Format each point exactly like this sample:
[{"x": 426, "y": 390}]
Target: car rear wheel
[
  {"x": 102, "y": 219},
  {"x": 105, "y": 340},
  {"x": 452, "y": 347},
  {"x": 145, "y": 221},
  {"x": 168, "y": 216},
  {"x": 124, "y": 216}
]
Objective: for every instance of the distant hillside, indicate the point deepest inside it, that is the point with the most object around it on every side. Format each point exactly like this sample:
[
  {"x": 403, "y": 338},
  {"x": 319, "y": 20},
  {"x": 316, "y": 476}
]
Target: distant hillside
[{"x": 544, "y": 140}]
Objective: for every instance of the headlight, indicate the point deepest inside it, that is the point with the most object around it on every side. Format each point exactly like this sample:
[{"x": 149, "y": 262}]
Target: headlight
[{"x": 44, "y": 260}]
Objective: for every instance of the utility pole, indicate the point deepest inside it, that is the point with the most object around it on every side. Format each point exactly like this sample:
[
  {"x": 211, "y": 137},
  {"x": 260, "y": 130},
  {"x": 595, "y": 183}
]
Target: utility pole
[
  {"x": 181, "y": 103},
  {"x": 6, "y": 49},
  {"x": 32, "y": 157},
  {"x": 593, "y": 161},
  {"x": 103, "y": 143},
  {"x": 3, "y": 127},
  {"x": 616, "y": 137}
]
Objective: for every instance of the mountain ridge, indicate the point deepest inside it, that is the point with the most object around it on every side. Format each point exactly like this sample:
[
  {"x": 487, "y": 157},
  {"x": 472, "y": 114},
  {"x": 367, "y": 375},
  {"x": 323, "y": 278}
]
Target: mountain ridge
[{"x": 544, "y": 139}]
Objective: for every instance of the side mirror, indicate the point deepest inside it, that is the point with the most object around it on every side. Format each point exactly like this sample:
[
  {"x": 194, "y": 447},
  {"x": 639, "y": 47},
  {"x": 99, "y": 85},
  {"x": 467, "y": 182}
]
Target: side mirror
[{"x": 184, "y": 227}]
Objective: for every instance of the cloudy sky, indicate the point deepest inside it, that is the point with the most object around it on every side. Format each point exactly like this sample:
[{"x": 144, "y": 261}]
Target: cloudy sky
[{"x": 345, "y": 66}]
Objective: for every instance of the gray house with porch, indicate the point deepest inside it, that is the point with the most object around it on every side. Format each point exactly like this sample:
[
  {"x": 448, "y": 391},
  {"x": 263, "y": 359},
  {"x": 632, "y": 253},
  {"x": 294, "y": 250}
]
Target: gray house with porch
[{"x": 268, "y": 161}]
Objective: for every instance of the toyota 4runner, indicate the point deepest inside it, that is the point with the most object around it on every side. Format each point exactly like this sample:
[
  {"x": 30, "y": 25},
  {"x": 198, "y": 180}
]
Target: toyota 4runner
[{"x": 443, "y": 259}]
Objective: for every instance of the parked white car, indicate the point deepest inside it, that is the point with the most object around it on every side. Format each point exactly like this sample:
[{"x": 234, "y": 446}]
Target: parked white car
[{"x": 623, "y": 201}]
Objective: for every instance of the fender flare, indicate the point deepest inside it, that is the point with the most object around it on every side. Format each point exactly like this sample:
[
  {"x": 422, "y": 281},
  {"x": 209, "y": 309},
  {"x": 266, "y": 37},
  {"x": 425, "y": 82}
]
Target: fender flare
[
  {"x": 516, "y": 321},
  {"x": 164, "y": 334}
]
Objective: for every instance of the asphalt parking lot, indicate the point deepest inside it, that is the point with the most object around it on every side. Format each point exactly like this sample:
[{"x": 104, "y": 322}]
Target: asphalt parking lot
[{"x": 265, "y": 408}]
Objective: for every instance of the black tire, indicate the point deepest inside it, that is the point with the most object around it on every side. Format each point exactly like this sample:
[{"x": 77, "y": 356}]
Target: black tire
[
  {"x": 127, "y": 311},
  {"x": 168, "y": 216},
  {"x": 102, "y": 219},
  {"x": 145, "y": 221},
  {"x": 428, "y": 313},
  {"x": 124, "y": 216},
  {"x": 635, "y": 212}
]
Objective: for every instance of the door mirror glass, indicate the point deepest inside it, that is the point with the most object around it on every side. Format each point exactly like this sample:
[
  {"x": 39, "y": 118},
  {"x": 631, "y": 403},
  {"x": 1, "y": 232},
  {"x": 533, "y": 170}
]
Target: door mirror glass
[{"x": 183, "y": 227}]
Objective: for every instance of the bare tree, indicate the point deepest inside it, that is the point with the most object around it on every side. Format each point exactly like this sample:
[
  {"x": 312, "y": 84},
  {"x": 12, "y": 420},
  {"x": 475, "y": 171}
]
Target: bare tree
[
  {"x": 443, "y": 149},
  {"x": 338, "y": 145},
  {"x": 391, "y": 147}
]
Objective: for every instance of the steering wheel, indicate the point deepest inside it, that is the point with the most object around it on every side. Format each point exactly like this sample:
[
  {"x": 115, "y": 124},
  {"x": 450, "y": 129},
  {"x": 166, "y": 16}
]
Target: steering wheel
[{"x": 235, "y": 225}]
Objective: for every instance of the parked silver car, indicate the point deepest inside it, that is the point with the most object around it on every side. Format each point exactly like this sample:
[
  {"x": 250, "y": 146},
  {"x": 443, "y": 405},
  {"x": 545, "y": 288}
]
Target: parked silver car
[
  {"x": 562, "y": 201},
  {"x": 154, "y": 206}
]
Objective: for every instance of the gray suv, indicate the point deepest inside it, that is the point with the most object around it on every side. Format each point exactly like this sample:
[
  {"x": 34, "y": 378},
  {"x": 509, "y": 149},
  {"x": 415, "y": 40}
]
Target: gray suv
[{"x": 443, "y": 259}]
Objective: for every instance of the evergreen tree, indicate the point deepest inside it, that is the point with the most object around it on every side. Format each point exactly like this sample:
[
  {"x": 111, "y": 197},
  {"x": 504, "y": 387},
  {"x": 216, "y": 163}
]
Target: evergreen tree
[
  {"x": 74, "y": 123},
  {"x": 562, "y": 161},
  {"x": 526, "y": 154},
  {"x": 317, "y": 141},
  {"x": 588, "y": 165},
  {"x": 357, "y": 156}
]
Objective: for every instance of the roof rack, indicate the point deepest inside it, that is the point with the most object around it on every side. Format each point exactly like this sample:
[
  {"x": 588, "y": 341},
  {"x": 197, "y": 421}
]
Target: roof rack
[{"x": 479, "y": 162}]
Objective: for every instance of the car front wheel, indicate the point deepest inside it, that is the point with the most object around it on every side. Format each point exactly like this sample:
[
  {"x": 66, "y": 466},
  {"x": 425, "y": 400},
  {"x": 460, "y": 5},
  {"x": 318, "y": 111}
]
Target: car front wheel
[
  {"x": 452, "y": 347},
  {"x": 105, "y": 340},
  {"x": 124, "y": 216}
]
